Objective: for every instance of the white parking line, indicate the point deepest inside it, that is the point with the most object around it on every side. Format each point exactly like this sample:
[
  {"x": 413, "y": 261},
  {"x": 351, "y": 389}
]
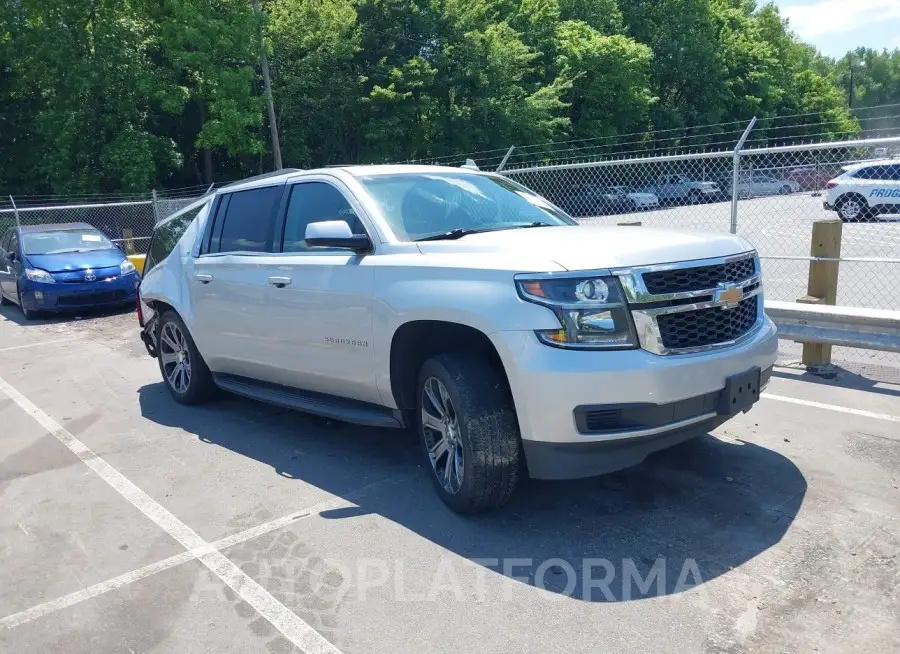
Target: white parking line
[
  {"x": 832, "y": 407},
  {"x": 22, "y": 347},
  {"x": 61, "y": 603},
  {"x": 282, "y": 618},
  {"x": 90, "y": 592}
]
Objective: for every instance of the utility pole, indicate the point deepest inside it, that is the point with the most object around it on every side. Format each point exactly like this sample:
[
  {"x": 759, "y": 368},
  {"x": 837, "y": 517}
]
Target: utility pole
[
  {"x": 852, "y": 90},
  {"x": 267, "y": 81}
]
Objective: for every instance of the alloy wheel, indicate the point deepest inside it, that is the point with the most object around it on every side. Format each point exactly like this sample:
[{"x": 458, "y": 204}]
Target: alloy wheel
[
  {"x": 443, "y": 440},
  {"x": 176, "y": 357},
  {"x": 851, "y": 209}
]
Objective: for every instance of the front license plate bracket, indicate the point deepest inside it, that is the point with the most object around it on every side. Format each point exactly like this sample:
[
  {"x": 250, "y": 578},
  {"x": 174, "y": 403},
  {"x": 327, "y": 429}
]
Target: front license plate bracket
[{"x": 741, "y": 392}]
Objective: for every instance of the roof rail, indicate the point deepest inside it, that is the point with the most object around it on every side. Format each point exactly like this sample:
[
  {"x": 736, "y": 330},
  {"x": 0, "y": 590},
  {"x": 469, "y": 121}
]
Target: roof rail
[{"x": 274, "y": 173}]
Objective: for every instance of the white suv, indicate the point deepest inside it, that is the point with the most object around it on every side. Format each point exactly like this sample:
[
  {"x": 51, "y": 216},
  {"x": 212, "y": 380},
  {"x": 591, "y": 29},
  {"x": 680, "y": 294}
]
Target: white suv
[
  {"x": 462, "y": 305},
  {"x": 864, "y": 191}
]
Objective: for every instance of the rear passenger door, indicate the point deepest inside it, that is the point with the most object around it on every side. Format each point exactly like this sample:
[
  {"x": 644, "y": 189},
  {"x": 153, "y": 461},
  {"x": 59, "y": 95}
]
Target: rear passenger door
[{"x": 229, "y": 282}]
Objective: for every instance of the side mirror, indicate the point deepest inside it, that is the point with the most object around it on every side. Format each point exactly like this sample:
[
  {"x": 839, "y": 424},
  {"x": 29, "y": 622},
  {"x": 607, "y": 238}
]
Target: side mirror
[{"x": 336, "y": 234}]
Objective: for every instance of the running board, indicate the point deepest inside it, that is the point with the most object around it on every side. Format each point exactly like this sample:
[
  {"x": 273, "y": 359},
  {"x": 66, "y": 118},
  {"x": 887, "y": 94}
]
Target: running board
[{"x": 320, "y": 404}]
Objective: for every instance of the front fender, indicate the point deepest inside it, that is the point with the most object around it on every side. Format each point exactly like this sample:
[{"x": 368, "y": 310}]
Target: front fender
[{"x": 483, "y": 300}]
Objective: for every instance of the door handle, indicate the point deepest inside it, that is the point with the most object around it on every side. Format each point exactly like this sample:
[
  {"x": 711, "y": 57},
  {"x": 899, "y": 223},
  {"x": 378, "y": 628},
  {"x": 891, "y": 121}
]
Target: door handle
[
  {"x": 204, "y": 278},
  {"x": 279, "y": 282}
]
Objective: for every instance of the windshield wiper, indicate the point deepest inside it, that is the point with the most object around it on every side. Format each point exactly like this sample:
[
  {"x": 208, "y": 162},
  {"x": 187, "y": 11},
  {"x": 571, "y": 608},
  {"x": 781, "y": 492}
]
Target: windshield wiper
[
  {"x": 459, "y": 232},
  {"x": 452, "y": 235}
]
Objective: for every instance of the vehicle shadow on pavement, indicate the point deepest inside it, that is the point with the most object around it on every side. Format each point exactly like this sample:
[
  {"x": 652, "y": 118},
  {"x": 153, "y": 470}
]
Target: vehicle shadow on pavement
[
  {"x": 680, "y": 519},
  {"x": 14, "y": 314}
]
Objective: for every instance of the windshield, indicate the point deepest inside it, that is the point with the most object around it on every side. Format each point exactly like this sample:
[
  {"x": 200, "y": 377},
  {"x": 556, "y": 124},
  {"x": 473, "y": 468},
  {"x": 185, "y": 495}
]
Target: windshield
[
  {"x": 61, "y": 241},
  {"x": 419, "y": 205}
]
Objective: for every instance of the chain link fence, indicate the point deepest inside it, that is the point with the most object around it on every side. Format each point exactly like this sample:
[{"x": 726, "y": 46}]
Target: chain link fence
[
  {"x": 125, "y": 219},
  {"x": 770, "y": 195},
  {"x": 779, "y": 194}
]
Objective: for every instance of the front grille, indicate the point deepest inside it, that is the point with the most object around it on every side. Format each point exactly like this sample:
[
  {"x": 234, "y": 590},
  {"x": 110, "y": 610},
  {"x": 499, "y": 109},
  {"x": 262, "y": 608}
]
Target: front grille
[
  {"x": 84, "y": 299},
  {"x": 711, "y": 326},
  {"x": 82, "y": 280},
  {"x": 698, "y": 279}
]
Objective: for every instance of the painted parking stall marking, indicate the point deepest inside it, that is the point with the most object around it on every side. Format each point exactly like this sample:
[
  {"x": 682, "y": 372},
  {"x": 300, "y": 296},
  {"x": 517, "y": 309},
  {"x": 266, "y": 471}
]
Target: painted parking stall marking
[{"x": 283, "y": 619}]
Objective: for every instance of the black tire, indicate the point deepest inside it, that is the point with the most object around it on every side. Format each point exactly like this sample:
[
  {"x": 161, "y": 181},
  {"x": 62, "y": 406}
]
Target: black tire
[
  {"x": 199, "y": 386},
  {"x": 487, "y": 432},
  {"x": 853, "y": 208},
  {"x": 631, "y": 206},
  {"x": 695, "y": 197},
  {"x": 784, "y": 190},
  {"x": 4, "y": 301},
  {"x": 28, "y": 313}
]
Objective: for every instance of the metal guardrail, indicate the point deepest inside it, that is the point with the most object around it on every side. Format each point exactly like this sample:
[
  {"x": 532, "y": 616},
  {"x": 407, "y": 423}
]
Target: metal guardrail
[{"x": 871, "y": 329}]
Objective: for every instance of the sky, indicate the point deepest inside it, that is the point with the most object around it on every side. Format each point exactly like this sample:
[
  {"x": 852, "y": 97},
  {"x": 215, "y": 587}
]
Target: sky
[{"x": 838, "y": 26}]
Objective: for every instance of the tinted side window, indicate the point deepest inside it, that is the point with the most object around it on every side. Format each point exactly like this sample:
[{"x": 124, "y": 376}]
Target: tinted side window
[
  {"x": 247, "y": 223},
  {"x": 872, "y": 172},
  {"x": 894, "y": 173},
  {"x": 4, "y": 242},
  {"x": 312, "y": 202},
  {"x": 166, "y": 237},
  {"x": 13, "y": 243}
]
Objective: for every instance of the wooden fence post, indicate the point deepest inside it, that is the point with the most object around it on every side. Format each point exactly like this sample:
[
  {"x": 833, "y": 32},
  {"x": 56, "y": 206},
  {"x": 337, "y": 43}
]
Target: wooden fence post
[{"x": 823, "y": 280}]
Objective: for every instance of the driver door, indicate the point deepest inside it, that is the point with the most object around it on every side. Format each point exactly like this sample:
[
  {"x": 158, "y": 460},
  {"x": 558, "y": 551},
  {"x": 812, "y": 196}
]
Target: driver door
[
  {"x": 320, "y": 300},
  {"x": 8, "y": 268}
]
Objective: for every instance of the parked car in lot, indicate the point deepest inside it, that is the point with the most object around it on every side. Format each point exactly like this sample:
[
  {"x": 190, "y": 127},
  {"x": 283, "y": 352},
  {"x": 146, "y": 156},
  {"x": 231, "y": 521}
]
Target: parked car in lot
[
  {"x": 587, "y": 200},
  {"x": 864, "y": 191},
  {"x": 681, "y": 189},
  {"x": 66, "y": 266},
  {"x": 809, "y": 179},
  {"x": 639, "y": 200},
  {"x": 464, "y": 306},
  {"x": 759, "y": 184}
]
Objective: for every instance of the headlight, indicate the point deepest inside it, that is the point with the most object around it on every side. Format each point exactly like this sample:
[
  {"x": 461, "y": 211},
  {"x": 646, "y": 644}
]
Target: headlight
[
  {"x": 591, "y": 311},
  {"x": 37, "y": 275},
  {"x": 126, "y": 267}
]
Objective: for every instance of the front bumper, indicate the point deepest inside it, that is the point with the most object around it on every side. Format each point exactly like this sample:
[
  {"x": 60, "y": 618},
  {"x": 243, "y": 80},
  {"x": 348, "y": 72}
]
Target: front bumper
[
  {"x": 551, "y": 388},
  {"x": 60, "y": 296}
]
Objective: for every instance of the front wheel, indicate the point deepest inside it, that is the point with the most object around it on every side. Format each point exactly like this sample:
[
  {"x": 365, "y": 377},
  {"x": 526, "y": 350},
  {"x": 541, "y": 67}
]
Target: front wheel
[
  {"x": 29, "y": 314},
  {"x": 4, "y": 301},
  {"x": 853, "y": 209},
  {"x": 695, "y": 197},
  {"x": 469, "y": 433},
  {"x": 784, "y": 190},
  {"x": 184, "y": 372}
]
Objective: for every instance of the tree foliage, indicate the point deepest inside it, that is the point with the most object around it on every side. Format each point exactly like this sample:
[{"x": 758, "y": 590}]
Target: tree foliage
[{"x": 122, "y": 95}]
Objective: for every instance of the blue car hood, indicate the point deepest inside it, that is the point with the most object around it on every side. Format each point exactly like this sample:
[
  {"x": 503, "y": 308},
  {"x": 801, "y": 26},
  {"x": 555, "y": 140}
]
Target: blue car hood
[{"x": 95, "y": 259}]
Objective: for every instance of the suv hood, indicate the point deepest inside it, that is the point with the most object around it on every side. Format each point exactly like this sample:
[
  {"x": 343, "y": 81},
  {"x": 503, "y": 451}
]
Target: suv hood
[
  {"x": 590, "y": 248},
  {"x": 108, "y": 258}
]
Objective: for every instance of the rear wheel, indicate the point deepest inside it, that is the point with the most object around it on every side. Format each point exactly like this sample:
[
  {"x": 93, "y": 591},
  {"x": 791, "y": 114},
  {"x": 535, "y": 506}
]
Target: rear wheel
[
  {"x": 853, "y": 208},
  {"x": 184, "y": 372},
  {"x": 784, "y": 190},
  {"x": 469, "y": 433},
  {"x": 695, "y": 197}
]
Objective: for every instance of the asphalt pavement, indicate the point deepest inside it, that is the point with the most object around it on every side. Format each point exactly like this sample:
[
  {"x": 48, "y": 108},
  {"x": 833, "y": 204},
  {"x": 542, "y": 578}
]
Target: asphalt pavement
[{"x": 133, "y": 524}]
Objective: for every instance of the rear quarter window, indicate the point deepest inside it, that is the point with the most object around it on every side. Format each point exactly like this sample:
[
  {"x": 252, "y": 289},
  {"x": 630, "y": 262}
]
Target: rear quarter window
[{"x": 166, "y": 237}]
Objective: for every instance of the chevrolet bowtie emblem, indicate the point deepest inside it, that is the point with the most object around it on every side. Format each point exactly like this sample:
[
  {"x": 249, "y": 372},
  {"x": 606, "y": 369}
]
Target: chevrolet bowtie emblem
[{"x": 728, "y": 296}]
